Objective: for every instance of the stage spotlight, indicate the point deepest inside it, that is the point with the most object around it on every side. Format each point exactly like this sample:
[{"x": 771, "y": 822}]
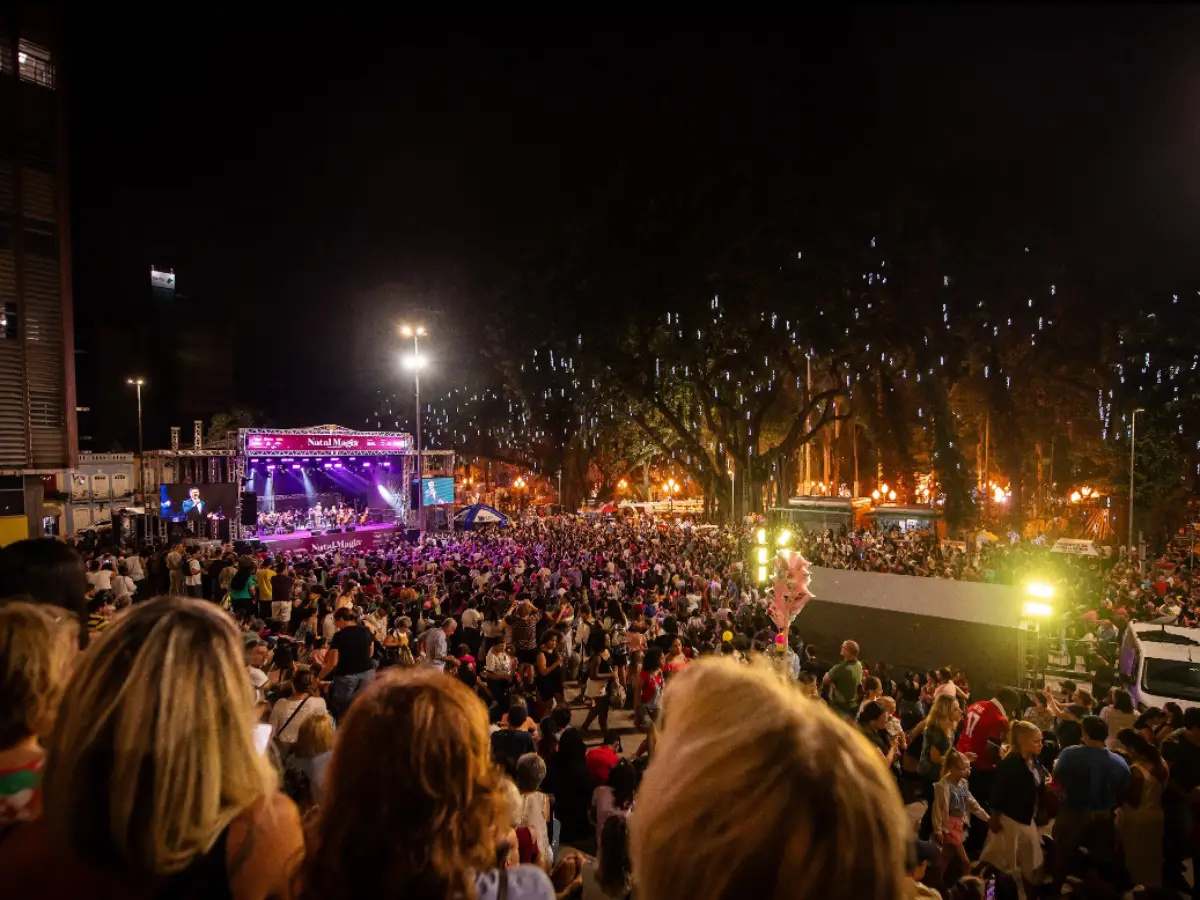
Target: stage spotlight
[
  {"x": 297, "y": 466},
  {"x": 329, "y": 465},
  {"x": 1038, "y": 610},
  {"x": 337, "y": 465},
  {"x": 367, "y": 464},
  {"x": 271, "y": 467},
  {"x": 387, "y": 465}
]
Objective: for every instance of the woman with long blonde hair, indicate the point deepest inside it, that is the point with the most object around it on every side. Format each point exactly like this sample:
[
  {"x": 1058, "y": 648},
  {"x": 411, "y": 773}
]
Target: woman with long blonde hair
[
  {"x": 937, "y": 738},
  {"x": 412, "y": 804},
  {"x": 788, "y": 801},
  {"x": 154, "y": 784},
  {"x": 36, "y": 648}
]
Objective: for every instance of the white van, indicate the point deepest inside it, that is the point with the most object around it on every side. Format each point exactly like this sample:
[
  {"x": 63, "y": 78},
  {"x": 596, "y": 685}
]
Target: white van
[{"x": 1161, "y": 663}]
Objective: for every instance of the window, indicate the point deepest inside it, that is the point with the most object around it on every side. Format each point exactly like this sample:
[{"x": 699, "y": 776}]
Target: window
[
  {"x": 33, "y": 63},
  {"x": 6, "y": 56},
  {"x": 39, "y": 242},
  {"x": 8, "y": 321}
]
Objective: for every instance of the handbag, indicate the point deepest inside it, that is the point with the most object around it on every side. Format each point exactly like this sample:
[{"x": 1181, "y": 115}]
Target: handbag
[
  {"x": 616, "y": 694},
  {"x": 279, "y": 745}
]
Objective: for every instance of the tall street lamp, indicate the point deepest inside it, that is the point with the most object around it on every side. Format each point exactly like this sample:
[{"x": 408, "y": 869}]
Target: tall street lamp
[
  {"x": 519, "y": 484},
  {"x": 416, "y": 363},
  {"x": 671, "y": 488},
  {"x": 1132, "y": 448},
  {"x": 137, "y": 384}
]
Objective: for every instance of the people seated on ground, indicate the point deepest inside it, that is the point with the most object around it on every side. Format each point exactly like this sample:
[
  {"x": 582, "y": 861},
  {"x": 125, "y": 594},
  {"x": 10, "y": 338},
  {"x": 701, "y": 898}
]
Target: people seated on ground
[
  {"x": 610, "y": 875},
  {"x": 730, "y": 804},
  {"x": 512, "y": 741},
  {"x": 37, "y": 648},
  {"x": 413, "y": 805},
  {"x": 306, "y": 762},
  {"x": 153, "y": 781}
]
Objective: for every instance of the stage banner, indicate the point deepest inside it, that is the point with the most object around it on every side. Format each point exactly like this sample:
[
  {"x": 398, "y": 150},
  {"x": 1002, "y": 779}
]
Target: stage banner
[
  {"x": 364, "y": 539},
  {"x": 279, "y": 443}
]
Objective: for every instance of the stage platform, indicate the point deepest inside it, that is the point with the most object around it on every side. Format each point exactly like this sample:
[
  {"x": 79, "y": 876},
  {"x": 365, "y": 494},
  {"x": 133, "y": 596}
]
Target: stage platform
[{"x": 363, "y": 537}]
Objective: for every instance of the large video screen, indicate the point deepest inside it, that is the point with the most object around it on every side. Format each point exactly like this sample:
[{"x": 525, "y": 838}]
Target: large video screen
[
  {"x": 197, "y": 502},
  {"x": 437, "y": 491}
]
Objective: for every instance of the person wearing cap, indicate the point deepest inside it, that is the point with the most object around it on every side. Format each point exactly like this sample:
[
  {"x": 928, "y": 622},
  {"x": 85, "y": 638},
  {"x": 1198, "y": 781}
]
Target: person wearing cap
[{"x": 920, "y": 855}]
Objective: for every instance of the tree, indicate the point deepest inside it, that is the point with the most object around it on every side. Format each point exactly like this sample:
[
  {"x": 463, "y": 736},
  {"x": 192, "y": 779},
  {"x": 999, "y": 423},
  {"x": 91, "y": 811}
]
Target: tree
[{"x": 225, "y": 425}]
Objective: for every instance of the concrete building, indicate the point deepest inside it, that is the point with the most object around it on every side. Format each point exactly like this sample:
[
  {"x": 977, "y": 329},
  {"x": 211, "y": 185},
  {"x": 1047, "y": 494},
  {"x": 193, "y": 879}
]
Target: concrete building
[{"x": 37, "y": 382}]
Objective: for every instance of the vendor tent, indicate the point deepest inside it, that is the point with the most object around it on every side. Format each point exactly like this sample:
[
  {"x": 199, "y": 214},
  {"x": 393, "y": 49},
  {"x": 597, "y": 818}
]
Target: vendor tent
[{"x": 470, "y": 517}]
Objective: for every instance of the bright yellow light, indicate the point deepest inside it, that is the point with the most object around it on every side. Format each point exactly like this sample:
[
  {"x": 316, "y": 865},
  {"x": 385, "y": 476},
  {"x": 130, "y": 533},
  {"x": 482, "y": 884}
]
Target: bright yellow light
[
  {"x": 1039, "y": 610},
  {"x": 762, "y": 573},
  {"x": 1075, "y": 496},
  {"x": 1086, "y": 491},
  {"x": 622, "y": 484},
  {"x": 874, "y": 495},
  {"x": 420, "y": 331},
  {"x": 883, "y": 488},
  {"x": 998, "y": 495},
  {"x": 406, "y": 331},
  {"x": 762, "y": 535},
  {"x": 784, "y": 537},
  {"x": 1039, "y": 589},
  {"x": 519, "y": 483},
  {"x": 891, "y": 495},
  {"x": 762, "y": 555}
]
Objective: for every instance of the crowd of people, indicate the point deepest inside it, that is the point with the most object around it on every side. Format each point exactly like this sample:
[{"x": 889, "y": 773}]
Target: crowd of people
[{"x": 419, "y": 720}]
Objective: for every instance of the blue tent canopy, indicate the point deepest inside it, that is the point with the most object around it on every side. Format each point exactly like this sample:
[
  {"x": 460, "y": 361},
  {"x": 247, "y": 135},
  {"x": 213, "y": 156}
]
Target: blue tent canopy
[{"x": 480, "y": 514}]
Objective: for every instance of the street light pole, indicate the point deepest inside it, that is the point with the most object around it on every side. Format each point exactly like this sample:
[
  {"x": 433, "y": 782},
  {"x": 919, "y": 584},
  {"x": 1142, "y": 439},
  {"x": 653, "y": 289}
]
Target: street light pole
[
  {"x": 1132, "y": 448},
  {"x": 137, "y": 383},
  {"x": 415, "y": 334}
]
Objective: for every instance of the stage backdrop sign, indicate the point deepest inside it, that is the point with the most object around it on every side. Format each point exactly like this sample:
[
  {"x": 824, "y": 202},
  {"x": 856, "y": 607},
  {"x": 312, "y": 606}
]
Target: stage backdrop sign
[
  {"x": 367, "y": 538},
  {"x": 361, "y": 443}
]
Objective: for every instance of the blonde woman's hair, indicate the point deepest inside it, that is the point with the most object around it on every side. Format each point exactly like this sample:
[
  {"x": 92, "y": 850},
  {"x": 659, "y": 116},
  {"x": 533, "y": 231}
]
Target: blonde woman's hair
[
  {"x": 153, "y": 755},
  {"x": 1018, "y": 731},
  {"x": 941, "y": 714},
  {"x": 754, "y": 791},
  {"x": 36, "y": 649},
  {"x": 314, "y": 737}
]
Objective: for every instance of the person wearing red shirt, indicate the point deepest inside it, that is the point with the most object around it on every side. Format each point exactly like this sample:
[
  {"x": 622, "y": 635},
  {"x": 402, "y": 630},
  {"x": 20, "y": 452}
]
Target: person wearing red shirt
[
  {"x": 984, "y": 729},
  {"x": 602, "y": 758}
]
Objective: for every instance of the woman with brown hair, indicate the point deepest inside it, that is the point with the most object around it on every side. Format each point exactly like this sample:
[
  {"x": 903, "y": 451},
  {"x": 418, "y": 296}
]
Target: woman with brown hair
[
  {"x": 154, "y": 786},
  {"x": 412, "y": 788},
  {"x": 787, "y": 802}
]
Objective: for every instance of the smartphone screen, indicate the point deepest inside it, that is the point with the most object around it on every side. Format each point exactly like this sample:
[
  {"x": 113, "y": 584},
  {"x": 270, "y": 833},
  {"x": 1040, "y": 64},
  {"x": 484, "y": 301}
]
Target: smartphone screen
[
  {"x": 991, "y": 889},
  {"x": 262, "y": 738}
]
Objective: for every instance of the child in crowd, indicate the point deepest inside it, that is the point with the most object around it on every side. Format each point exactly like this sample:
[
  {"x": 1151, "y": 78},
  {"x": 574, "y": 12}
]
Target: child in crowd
[{"x": 952, "y": 803}]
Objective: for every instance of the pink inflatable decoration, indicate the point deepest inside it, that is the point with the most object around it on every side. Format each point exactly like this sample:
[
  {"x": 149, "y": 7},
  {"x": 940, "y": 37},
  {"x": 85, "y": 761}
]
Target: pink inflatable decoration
[{"x": 792, "y": 578}]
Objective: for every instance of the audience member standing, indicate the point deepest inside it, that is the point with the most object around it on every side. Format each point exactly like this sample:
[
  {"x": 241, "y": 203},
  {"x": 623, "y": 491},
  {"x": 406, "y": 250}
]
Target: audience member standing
[
  {"x": 413, "y": 806},
  {"x": 153, "y": 781},
  {"x": 736, "y": 805}
]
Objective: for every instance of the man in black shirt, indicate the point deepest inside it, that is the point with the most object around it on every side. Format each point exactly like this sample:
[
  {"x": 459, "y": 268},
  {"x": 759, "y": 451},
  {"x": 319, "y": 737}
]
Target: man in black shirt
[
  {"x": 510, "y": 743},
  {"x": 348, "y": 665}
]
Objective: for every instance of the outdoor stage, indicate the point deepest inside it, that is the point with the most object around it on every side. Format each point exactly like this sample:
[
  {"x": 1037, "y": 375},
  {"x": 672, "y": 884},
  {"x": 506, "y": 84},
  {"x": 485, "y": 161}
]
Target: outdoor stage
[{"x": 364, "y": 537}]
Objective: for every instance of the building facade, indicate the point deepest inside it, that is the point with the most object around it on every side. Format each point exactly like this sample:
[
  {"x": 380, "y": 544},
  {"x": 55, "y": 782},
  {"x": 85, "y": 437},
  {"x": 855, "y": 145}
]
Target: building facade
[{"x": 37, "y": 382}]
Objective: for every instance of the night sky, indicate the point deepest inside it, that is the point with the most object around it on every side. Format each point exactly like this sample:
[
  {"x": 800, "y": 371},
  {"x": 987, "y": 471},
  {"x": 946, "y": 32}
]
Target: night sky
[{"x": 316, "y": 180}]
